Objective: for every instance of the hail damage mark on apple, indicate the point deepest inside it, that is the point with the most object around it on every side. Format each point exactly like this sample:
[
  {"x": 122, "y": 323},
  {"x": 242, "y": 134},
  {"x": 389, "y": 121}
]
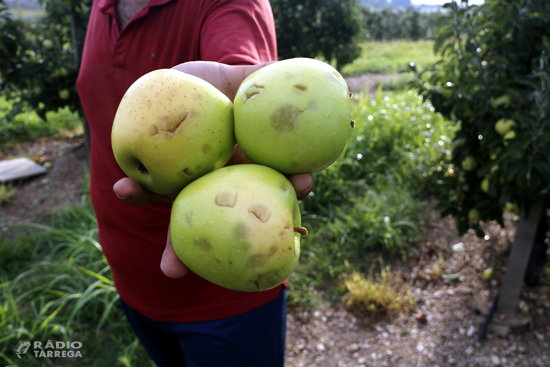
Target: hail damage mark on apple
[
  {"x": 168, "y": 126},
  {"x": 260, "y": 211},
  {"x": 241, "y": 231},
  {"x": 141, "y": 167},
  {"x": 300, "y": 88},
  {"x": 206, "y": 148},
  {"x": 226, "y": 198},
  {"x": 203, "y": 244},
  {"x": 265, "y": 279},
  {"x": 259, "y": 259},
  {"x": 312, "y": 104},
  {"x": 282, "y": 232},
  {"x": 284, "y": 117},
  {"x": 253, "y": 91},
  {"x": 189, "y": 219},
  {"x": 186, "y": 171}
]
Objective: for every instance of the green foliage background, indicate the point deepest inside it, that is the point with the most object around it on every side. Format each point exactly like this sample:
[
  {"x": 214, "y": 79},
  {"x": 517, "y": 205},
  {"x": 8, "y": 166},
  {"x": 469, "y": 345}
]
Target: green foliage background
[
  {"x": 390, "y": 24},
  {"x": 495, "y": 64},
  {"x": 28, "y": 125},
  {"x": 318, "y": 28},
  {"x": 40, "y": 59}
]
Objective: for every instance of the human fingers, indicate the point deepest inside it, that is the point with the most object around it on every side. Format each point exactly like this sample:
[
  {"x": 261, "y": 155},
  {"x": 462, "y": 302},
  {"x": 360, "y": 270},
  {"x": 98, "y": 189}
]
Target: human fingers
[
  {"x": 170, "y": 264},
  {"x": 303, "y": 184},
  {"x": 131, "y": 192}
]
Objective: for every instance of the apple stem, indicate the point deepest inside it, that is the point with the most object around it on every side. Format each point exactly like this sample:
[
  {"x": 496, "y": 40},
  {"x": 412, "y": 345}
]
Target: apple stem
[{"x": 301, "y": 230}]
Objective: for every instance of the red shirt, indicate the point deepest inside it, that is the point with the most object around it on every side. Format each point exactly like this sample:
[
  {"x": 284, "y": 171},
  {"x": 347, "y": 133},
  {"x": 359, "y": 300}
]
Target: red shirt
[{"x": 163, "y": 34}]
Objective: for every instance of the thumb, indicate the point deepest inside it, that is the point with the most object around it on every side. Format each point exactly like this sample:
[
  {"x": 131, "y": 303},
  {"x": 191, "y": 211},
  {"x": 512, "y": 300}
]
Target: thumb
[{"x": 170, "y": 264}]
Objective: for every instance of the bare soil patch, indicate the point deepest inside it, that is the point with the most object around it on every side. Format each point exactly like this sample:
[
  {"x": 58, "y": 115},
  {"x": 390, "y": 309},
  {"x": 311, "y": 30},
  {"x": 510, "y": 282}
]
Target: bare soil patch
[
  {"x": 38, "y": 197},
  {"x": 444, "y": 327}
]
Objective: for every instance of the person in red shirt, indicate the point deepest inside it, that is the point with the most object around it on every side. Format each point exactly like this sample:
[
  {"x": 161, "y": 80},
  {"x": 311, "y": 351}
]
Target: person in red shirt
[{"x": 182, "y": 319}]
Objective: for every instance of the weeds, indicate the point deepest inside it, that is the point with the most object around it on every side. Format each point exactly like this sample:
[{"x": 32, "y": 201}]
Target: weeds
[
  {"x": 7, "y": 192},
  {"x": 56, "y": 285},
  {"x": 382, "y": 294}
]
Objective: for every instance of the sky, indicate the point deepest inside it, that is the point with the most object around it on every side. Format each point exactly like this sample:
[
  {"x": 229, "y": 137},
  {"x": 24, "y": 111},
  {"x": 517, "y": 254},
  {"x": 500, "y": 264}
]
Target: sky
[{"x": 440, "y": 2}]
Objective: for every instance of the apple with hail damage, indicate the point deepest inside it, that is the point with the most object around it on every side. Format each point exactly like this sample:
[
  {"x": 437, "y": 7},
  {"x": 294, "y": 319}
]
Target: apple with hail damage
[
  {"x": 171, "y": 128},
  {"x": 293, "y": 115},
  {"x": 238, "y": 227}
]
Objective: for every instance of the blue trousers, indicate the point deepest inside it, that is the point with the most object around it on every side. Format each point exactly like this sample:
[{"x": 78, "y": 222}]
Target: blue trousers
[{"x": 253, "y": 339}]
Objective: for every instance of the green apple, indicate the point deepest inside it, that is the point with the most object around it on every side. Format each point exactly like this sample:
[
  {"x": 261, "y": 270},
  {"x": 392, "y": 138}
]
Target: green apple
[
  {"x": 64, "y": 94},
  {"x": 502, "y": 101},
  {"x": 511, "y": 207},
  {"x": 473, "y": 216},
  {"x": 469, "y": 163},
  {"x": 485, "y": 184},
  {"x": 510, "y": 135},
  {"x": 238, "y": 227},
  {"x": 503, "y": 126},
  {"x": 171, "y": 128},
  {"x": 293, "y": 115},
  {"x": 47, "y": 43},
  {"x": 488, "y": 274}
]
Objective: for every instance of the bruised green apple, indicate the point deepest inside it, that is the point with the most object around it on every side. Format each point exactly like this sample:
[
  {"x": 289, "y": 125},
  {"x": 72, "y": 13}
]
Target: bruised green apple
[
  {"x": 238, "y": 227},
  {"x": 171, "y": 128},
  {"x": 293, "y": 115}
]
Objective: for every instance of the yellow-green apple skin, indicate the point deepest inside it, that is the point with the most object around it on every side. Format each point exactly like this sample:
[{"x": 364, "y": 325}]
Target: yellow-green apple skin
[
  {"x": 237, "y": 227},
  {"x": 503, "y": 126},
  {"x": 171, "y": 128},
  {"x": 293, "y": 115}
]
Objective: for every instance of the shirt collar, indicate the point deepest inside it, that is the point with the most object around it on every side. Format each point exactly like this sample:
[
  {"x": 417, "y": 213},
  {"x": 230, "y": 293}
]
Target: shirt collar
[{"x": 109, "y": 6}]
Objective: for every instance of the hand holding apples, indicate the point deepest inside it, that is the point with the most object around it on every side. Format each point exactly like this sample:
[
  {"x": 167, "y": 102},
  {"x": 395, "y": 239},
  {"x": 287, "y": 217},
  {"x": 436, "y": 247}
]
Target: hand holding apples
[
  {"x": 227, "y": 79},
  {"x": 322, "y": 131}
]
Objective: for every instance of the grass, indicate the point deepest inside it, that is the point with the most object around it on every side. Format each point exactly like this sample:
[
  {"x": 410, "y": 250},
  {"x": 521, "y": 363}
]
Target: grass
[
  {"x": 55, "y": 285},
  {"x": 377, "y": 294},
  {"x": 391, "y": 57},
  {"x": 7, "y": 192}
]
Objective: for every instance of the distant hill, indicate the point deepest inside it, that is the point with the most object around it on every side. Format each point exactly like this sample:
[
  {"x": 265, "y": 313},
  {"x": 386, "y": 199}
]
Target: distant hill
[
  {"x": 23, "y": 4},
  {"x": 397, "y": 4}
]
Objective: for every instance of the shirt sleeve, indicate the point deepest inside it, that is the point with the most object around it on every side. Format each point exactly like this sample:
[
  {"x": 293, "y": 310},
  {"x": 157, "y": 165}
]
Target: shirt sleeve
[{"x": 239, "y": 32}]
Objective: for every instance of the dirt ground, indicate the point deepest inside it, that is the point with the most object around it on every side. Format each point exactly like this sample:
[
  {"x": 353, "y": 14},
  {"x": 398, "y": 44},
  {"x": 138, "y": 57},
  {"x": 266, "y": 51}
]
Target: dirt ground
[
  {"x": 38, "y": 197},
  {"x": 441, "y": 330}
]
